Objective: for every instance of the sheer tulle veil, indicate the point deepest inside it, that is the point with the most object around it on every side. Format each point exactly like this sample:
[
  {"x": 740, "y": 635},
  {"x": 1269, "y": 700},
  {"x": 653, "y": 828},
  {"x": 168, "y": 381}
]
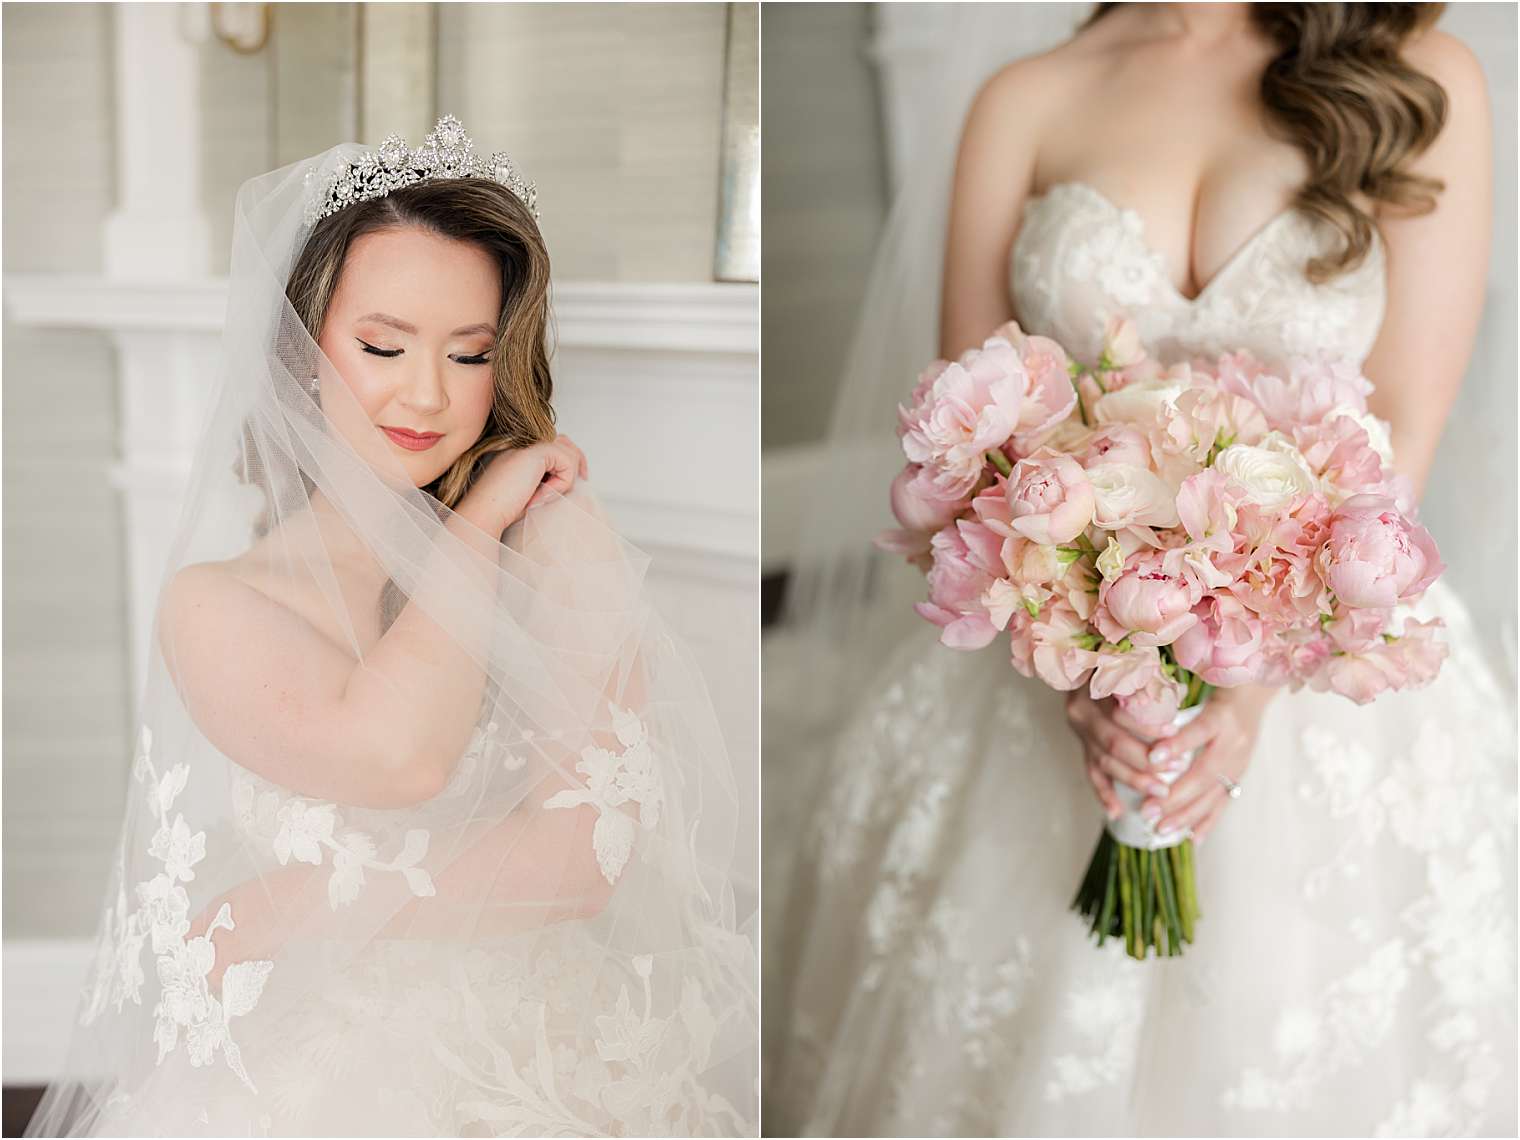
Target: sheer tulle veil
[
  {"x": 847, "y": 602},
  {"x": 541, "y": 941}
]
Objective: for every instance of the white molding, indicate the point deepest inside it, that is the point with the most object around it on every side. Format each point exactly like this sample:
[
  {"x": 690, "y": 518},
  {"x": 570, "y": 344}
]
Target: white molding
[
  {"x": 42, "y": 987},
  {"x": 701, "y": 317}
]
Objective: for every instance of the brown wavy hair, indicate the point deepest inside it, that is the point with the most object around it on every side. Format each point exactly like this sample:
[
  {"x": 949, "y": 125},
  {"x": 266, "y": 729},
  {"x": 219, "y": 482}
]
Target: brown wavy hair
[
  {"x": 492, "y": 218},
  {"x": 1339, "y": 91}
]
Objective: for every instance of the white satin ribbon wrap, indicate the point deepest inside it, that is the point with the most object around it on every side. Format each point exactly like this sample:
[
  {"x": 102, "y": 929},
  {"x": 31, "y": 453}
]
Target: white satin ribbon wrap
[{"x": 1134, "y": 830}]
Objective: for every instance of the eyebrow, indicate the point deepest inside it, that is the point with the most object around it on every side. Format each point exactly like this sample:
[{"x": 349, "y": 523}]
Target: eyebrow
[{"x": 403, "y": 326}]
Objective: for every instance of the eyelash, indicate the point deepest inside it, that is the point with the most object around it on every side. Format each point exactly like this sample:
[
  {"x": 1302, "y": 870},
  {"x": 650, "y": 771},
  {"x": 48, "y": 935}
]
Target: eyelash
[{"x": 478, "y": 358}]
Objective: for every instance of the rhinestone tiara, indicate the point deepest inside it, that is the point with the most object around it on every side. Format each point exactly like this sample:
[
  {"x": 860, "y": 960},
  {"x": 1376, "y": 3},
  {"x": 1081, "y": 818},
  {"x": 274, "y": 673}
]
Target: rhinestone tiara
[{"x": 446, "y": 153}]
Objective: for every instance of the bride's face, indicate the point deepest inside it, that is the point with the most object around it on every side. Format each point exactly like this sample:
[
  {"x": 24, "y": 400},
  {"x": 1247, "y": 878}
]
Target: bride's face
[{"x": 410, "y": 329}]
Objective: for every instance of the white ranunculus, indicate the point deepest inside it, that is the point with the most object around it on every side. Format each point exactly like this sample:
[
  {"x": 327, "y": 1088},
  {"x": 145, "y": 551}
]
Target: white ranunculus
[
  {"x": 1142, "y": 403},
  {"x": 1125, "y": 495},
  {"x": 1273, "y": 473}
]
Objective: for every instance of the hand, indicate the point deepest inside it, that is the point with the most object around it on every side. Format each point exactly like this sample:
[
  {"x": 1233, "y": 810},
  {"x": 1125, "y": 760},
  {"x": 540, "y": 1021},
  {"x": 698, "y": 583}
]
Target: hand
[
  {"x": 513, "y": 481},
  {"x": 1112, "y": 749},
  {"x": 1225, "y": 732}
]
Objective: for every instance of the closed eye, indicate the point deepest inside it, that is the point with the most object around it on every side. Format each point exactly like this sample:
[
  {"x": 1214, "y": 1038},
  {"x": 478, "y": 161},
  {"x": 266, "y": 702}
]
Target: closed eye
[
  {"x": 478, "y": 358},
  {"x": 390, "y": 353},
  {"x": 385, "y": 352}
]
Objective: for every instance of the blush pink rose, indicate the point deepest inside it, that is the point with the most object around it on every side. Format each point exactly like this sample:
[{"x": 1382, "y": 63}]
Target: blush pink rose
[
  {"x": 965, "y": 563},
  {"x": 1049, "y": 397},
  {"x": 1224, "y": 647},
  {"x": 1375, "y": 556},
  {"x": 1145, "y": 603},
  {"x": 1340, "y": 450},
  {"x": 1050, "y": 498}
]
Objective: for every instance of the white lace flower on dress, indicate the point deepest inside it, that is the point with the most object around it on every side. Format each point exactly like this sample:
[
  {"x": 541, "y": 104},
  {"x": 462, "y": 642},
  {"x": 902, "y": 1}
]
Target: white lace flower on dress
[{"x": 614, "y": 779}]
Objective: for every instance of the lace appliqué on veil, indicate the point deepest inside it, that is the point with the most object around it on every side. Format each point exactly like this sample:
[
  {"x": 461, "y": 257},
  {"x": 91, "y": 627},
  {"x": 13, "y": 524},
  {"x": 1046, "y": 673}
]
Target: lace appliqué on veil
[
  {"x": 183, "y": 965},
  {"x": 614, "y": 779}
]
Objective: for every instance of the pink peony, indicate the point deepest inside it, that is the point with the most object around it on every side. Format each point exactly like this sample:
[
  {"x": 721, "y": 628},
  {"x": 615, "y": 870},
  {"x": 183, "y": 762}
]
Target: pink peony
[
  {"x": 1049, "y": 397},
  {"x": 1375, "y": 556},
  {"x": 1145, "y": 603},
  {"x": 1224, "y": 647},
  {"x": 917, "y": 503},
  {"x": 965, "y": 564},
  {"x": 1050, "y": 498},
  {"x": 970, "y": 408}
]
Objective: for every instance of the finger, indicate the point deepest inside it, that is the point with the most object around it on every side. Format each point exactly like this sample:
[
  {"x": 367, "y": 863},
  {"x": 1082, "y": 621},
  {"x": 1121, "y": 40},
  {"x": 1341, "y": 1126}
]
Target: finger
[
  {"x": 1119, "y": 743},
  {"x": 1195, "y": 734},
  {"x": 1142, "y": 781},
  {"x": 1104, "y": 787},
  {"x": 1141, "y": 732},
  {"x": 1177, "y": 819}
]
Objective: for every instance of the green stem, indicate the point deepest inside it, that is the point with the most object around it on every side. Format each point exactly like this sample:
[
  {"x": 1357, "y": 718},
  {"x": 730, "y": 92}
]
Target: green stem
[{"x": 1000, "y": 461}]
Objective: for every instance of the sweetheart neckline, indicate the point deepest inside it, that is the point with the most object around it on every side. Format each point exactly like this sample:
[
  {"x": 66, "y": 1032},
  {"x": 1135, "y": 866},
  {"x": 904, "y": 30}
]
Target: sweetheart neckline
[{"x": 1235, "y": 258}]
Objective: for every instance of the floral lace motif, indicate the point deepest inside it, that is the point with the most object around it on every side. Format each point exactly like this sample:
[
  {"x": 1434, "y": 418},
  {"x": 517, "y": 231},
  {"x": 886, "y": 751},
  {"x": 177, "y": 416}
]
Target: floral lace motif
[
  {"x": 163, "y": 916},
  {"x": 1077, "y": 254},
  {"x": 614, "y": 779},
  {"x": 304, "y": 830}
]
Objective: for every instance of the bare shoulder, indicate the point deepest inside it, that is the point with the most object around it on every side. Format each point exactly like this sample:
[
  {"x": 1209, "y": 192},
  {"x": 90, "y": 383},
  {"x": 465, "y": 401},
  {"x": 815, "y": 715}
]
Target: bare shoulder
[
  {"x": 1037, "y": 84},
  {"x": 1450, "y": 62},
  {"x": 205, "y": 595}
]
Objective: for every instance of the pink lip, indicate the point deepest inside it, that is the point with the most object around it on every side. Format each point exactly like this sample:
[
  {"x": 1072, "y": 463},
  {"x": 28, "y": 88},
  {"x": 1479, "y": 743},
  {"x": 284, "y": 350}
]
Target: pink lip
[{"x": 411, "y": 440}]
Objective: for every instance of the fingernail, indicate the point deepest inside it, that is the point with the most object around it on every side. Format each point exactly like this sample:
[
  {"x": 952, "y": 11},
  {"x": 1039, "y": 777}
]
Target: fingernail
[
  {"x": 1166, "y": 832},
  {"x": 1160, "y": 754},
  {"x": 1150, "y": 813},
  {"x": 1159, "y": 790}
]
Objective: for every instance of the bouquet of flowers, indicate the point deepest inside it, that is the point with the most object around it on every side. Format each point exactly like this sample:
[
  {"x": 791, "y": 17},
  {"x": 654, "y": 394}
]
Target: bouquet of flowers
[{"x": 1155, "y": 532}]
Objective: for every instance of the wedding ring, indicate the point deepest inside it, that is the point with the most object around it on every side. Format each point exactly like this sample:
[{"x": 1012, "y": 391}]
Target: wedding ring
[{"x": 1232, "y": 789}]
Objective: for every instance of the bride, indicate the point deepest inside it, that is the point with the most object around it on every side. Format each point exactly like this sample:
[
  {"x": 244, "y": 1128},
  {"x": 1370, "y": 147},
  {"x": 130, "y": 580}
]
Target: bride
[
  {"x": 1286, "y": 179},
  {"x": 430, "y": 821}
]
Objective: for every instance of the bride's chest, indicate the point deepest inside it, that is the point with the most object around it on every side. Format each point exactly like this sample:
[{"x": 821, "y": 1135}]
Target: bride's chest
[{"x": 1079, "y": 258}]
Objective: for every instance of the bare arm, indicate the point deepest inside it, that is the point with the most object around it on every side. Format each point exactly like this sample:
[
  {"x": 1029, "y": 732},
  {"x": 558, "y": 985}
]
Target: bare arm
[
  {"x": 1437, "y": 266},
  {"x": 279, "y": 698},
  {"x": 994, "y": 170}
]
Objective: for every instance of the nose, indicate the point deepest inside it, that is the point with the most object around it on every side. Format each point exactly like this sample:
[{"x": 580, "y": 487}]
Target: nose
[{"x": 423, "y": 391}]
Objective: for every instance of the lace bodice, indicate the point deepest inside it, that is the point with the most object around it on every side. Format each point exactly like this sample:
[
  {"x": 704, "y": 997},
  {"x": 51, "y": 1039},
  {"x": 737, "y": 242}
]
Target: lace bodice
[{"x": 1079, "y": 256}]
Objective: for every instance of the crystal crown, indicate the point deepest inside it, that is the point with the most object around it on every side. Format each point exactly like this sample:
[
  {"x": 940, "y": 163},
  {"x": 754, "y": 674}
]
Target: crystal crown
[{"x": 446, "y": 153}]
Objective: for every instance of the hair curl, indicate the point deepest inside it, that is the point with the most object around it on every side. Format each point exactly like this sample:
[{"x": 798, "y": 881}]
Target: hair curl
[{"x": 1340, "y": 92}]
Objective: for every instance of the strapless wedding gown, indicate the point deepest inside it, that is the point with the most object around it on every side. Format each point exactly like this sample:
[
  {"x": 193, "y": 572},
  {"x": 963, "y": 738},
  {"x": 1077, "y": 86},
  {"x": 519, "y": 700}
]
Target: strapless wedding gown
[
  {"x": 539, "y": 1033},
  {"x": 1354, "y": 967}
]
